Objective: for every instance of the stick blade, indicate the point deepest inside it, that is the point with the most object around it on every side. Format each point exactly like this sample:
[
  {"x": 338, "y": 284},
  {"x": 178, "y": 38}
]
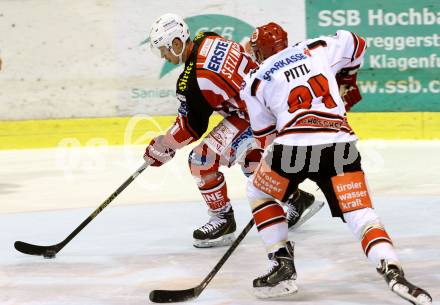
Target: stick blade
[
  {"x": 32, "y": 249},
  {"x": 172, "y": 296}
]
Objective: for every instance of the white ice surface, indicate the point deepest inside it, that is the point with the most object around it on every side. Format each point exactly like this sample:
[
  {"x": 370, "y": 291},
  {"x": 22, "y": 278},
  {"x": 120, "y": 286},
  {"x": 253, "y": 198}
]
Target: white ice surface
[{"x": 143, "y": 240}]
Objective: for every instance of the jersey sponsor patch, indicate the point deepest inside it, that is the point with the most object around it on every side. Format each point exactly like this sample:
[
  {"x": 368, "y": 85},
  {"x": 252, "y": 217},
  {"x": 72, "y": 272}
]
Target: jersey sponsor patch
[
  {"x": 206, "y": 47},
  {"x": 182, "y": 82},
  {"x": 283, "y": 62},
  {"x": 244, "y": 138},
  {"x": 217, "y": 55},
  {"x": 270, "y": 182},
  {"x": 351, "y": 191},
  {"x": 220, "y": 138}
]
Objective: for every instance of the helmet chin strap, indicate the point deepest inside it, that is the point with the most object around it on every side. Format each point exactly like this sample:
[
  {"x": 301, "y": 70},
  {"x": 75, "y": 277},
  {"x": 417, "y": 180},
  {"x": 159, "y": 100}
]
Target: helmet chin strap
[{"x": 181, "y": 52}]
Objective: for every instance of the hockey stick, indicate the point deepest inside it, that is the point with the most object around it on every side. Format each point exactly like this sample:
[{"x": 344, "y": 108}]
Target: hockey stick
[
  {"x": 171, "y": 296},
  {"x": 51, "y": 251}
]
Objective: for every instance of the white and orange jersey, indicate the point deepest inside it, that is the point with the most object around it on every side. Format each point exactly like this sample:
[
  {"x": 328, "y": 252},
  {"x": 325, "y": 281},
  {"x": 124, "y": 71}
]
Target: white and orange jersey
[{"x": 294, "y": 92}]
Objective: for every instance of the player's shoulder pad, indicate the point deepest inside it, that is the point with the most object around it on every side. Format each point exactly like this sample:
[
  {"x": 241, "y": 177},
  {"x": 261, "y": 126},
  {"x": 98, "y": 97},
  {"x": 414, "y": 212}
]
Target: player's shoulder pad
[
  {"x": 202, "y": 35},
  {"x": 316, "y": 44},
  {"x": 251, "y": 82},
  {"x": 342, "y": 33},
  {"x": 353, "y": 41},
  {"x": 282, "y": 60}
]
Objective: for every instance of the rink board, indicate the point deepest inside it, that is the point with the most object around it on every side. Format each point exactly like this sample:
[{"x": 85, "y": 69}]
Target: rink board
[{"x": 138, "y": 130}]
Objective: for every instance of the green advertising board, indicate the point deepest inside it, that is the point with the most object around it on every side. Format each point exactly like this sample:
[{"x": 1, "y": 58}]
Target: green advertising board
[{"x": 401, "y": 71}]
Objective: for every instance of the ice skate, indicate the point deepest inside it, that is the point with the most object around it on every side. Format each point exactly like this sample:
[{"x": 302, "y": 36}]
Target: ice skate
[
  {"x": 280, "y": 279},
  {"x": 301, "y": 208},
  {"x": 218, "y": 231},
  {"x": 395, "y": 279}
]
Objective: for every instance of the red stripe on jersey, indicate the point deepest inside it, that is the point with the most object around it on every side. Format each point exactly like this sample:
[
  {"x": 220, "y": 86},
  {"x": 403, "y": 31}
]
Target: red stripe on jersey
[
  {"x": 223, "y": 83},
  {"x": 265, "y": 136},
  {"x": 312, "y": 112},
  {"x": 215, "y": 100},
  {"x": 217, "y": 80},
  {"x": 355, "y": 45},
  {"x": 185, "y": 128},
  {"x": 249, "y": 66},
  {"x": 374, "y": 236},
  {"x": 307, "y": 130},
  {"x": 361, "y": 46},
  {"x": 265, "y": 131},
  {"x": 254, "y": 87},
  {"x": 181, "y": 136}
]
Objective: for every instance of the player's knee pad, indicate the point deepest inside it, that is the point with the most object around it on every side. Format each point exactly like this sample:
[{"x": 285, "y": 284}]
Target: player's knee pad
[
  {"x": 358, "y": 220},
  {"x": 203, "y": 162},
  {"x": 254, "y": 195},
  {"x": 251, "y": 161}
]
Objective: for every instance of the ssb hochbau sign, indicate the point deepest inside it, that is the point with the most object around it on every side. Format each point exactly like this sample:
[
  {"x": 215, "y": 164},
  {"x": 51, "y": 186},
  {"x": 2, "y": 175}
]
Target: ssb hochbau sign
[{"x": 402, "y": 65}]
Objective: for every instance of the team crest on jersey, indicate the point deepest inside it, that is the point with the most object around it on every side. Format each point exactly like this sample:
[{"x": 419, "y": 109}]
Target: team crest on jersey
[{"x": 217, "y": 55}]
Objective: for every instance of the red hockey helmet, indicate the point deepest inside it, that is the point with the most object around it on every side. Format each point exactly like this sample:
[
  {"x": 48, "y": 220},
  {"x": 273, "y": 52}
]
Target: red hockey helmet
[{"x": 267, "y": 40}]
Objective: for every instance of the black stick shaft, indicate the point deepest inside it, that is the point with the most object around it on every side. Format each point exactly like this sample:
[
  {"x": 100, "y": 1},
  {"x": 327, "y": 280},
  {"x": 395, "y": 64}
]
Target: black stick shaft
[
  {"x": 171, "y": 296},
  {"x": 102, "y": 206},
  {"x": 225, "y": 257}
]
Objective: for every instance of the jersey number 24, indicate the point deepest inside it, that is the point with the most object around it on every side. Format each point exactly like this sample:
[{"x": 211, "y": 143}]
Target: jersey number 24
[{"x": 301, "y": 97}]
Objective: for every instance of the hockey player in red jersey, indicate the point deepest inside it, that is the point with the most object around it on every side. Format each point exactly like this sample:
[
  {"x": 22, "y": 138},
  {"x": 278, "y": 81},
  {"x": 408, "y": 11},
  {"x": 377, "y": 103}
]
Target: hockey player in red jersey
[
  {"x": 210, "y": 82},
  {"x": 296, "y": 93}
]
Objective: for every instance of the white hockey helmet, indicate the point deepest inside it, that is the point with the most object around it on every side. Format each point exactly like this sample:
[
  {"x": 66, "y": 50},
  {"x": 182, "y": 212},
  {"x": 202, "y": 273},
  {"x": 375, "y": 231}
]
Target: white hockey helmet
[{"x": 165, "y": 29}]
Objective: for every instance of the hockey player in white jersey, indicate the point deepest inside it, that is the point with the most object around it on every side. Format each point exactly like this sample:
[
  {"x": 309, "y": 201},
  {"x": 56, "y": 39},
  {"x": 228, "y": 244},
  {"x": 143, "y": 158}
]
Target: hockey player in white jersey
[{"x": 295, "y": 93}]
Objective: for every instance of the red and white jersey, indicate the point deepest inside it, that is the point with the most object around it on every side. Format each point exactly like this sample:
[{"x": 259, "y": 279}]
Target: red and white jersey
[
  {"x": 210, "y": 82},
  {"x": 221, "y": 66},
  {"x": 294, "y": 92}
]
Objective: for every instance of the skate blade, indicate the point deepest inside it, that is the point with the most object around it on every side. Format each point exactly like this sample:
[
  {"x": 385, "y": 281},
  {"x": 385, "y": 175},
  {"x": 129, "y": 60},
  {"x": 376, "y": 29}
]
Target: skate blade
[
  {"x": 222, "y": 241},
  {"x": 308, "y": 213},
  {"x": 402, "y": 291},
  {"x": 284, "y": 288}
]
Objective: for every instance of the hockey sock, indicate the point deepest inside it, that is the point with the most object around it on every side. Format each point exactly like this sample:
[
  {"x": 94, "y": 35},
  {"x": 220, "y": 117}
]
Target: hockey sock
[{"x": 271, "y": 223}]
